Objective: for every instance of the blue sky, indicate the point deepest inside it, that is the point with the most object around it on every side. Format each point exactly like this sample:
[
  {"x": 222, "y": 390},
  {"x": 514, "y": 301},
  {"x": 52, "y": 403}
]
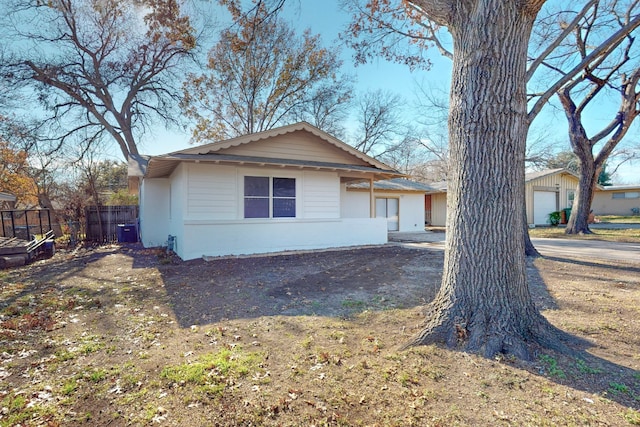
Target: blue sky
[{"x": 326, "y": 18}]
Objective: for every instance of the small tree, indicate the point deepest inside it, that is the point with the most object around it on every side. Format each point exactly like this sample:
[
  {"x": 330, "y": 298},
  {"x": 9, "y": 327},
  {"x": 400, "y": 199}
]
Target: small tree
[
  {"x": 260, "y": 75},
  {"x": 15, "y": 176}
]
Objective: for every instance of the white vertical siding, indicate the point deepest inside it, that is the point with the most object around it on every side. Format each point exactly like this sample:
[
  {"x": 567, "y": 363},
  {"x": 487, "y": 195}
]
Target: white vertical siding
[
  {"x": 563, "y": 182},
  {"x": 439, "y": 209}
]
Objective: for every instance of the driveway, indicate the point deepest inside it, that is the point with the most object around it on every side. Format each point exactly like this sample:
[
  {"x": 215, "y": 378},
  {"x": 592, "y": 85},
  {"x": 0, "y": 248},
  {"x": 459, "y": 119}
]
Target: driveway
[
  {"x": 588, "y": 249},
  {"x": 582, "y": 249}
]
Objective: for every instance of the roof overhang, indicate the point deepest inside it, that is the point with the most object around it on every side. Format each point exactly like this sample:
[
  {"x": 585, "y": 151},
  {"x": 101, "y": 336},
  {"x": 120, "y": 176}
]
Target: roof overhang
[{"x": 163, "y": 166}]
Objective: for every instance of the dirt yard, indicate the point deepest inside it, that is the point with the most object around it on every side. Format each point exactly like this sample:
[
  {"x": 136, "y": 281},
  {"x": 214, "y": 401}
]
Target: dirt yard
[{"x": 120, "y": 335}]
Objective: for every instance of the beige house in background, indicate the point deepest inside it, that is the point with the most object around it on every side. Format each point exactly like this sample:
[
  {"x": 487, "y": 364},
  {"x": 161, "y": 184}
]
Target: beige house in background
[
  {"x": 545, "y": 192},
  {"x": 616, "y": 200}
]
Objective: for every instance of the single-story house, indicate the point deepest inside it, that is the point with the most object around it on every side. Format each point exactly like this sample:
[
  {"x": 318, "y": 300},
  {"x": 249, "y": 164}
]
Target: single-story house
[
  {"x": 400, "y": 200},
  {"x": 616, "y": 200},
  {"x": 7, "y": 201},
  {"x": 281, "y": 189},
  {"x": 545, "y": 192}
]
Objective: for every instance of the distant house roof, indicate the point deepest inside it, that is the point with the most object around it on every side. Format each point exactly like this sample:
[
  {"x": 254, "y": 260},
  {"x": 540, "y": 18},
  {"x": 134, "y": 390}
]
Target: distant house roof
[
  {"x": 6, "y": 197},
  {"x": 624, "y": 187},
  {"x": 530, "y": 176},
  {"x": 394, "y": 184},
  {"x": 439, "y": 187}
]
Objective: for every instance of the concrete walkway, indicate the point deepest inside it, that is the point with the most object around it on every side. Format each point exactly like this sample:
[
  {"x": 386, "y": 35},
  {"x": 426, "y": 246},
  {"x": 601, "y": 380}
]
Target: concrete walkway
[{"x": 582, "y": 249}]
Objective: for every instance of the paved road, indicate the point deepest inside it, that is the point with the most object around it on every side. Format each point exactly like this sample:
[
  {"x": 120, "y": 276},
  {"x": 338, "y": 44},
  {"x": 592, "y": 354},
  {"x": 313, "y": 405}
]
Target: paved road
[
  {"x": 583, "y": 249},
  {"x": 588, "y": 249}
]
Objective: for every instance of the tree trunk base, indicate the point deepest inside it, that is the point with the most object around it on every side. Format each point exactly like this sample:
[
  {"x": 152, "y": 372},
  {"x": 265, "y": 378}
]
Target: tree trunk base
[{"x": 488, "y": 340}]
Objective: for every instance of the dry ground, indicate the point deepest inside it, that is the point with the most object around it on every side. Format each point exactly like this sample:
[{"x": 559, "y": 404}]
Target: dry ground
[{"x": 126, "y": 336}]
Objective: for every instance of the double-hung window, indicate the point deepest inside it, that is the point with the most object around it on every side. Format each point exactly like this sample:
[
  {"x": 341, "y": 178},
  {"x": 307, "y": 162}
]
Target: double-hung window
[{"x": 269, "y": 197}]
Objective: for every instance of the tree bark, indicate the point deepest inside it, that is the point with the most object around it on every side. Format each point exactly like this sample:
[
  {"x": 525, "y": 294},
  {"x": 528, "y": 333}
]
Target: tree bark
[
  {"x": 484, "y": 304},
  {"x": 578, "y": 222},
  {"x": 529, "y": 249}
]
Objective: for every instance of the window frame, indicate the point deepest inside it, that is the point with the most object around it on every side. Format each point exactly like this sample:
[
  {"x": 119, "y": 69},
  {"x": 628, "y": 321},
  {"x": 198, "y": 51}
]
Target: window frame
[
  {"x": 285, "y": 195},
  {"x": 618, "y": 195}
]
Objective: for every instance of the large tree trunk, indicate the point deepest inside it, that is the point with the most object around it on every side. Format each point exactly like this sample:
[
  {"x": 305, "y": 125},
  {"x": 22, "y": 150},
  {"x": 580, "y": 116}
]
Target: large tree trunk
[{"x": 484, "y": 304}]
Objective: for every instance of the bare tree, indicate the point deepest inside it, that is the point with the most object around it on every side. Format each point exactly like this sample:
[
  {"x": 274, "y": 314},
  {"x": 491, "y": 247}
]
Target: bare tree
[
  {"x": 379, "y": 122},
  {"x": 98, "y": 68},
  {"x": 261, "y": 74},
  {"x": 614, "y": 72}
]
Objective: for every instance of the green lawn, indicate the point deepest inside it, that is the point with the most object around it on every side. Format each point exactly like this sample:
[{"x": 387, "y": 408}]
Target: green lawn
[{"x": 627, "y": 235}]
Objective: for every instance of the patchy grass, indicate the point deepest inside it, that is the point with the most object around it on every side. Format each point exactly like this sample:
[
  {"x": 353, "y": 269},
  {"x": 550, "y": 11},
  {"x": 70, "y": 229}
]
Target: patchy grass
[
  {"x": 618, "y": 219},
  {"x": 610, "y": 235},
  {"x": 123, "y": 337}
]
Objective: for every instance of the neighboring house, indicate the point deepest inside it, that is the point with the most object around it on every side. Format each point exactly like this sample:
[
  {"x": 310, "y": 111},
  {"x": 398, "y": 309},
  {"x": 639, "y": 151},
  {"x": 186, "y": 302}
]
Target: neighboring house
[
  {"x": 545, "y": 192},
  {"x": 282, "y": 189},
  {"x": 435, "y": 204},
  {"x": 7, "y": 201},
  {"x": 616, "y": 200},
  {"x": 400, "y": 200}
]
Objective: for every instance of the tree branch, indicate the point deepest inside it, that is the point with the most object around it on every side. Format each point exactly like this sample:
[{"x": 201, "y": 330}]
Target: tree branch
[{"x": 602, "y": 50}]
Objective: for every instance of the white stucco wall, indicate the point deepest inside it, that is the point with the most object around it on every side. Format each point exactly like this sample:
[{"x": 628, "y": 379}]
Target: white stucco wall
[
  {"x": 355, "y": 204},
  {"x": 154, "y": 211},
  {"x": 261, "y": 236},
  {"x": 411, "y": 210}
]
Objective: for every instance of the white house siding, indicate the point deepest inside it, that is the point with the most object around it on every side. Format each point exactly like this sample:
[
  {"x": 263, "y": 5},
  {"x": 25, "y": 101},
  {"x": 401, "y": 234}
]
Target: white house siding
[
  {"x": 320, "y": 195},
  {"x": 212, "y": 192},
  {"x": 203, "y": 208},
  {"x": 154, "y": 211},
  {"x": 411, "y": 209},
  {"x": 355, "y": 204}
]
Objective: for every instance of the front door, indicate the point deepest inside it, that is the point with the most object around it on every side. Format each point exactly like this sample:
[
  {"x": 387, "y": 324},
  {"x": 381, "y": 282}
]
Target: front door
[{"x": 389, "y": 208}]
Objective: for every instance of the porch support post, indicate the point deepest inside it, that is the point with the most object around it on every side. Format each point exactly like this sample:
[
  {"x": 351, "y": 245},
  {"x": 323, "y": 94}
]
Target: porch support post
[{"x": 372, "y": 199}]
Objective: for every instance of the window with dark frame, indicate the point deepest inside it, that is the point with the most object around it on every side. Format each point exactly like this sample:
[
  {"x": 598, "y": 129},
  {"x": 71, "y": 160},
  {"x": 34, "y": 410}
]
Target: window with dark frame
[{"x": 267, "y": 197}]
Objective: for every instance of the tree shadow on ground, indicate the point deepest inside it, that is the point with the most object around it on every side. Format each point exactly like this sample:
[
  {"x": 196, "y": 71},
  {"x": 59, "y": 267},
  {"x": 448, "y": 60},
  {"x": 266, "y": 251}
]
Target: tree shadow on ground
[{"x": 336, "y": 284}]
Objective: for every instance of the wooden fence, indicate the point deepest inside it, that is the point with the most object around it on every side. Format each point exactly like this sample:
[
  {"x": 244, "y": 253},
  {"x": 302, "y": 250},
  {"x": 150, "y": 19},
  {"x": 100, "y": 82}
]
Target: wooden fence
[{"x": 102, "y": 221}]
